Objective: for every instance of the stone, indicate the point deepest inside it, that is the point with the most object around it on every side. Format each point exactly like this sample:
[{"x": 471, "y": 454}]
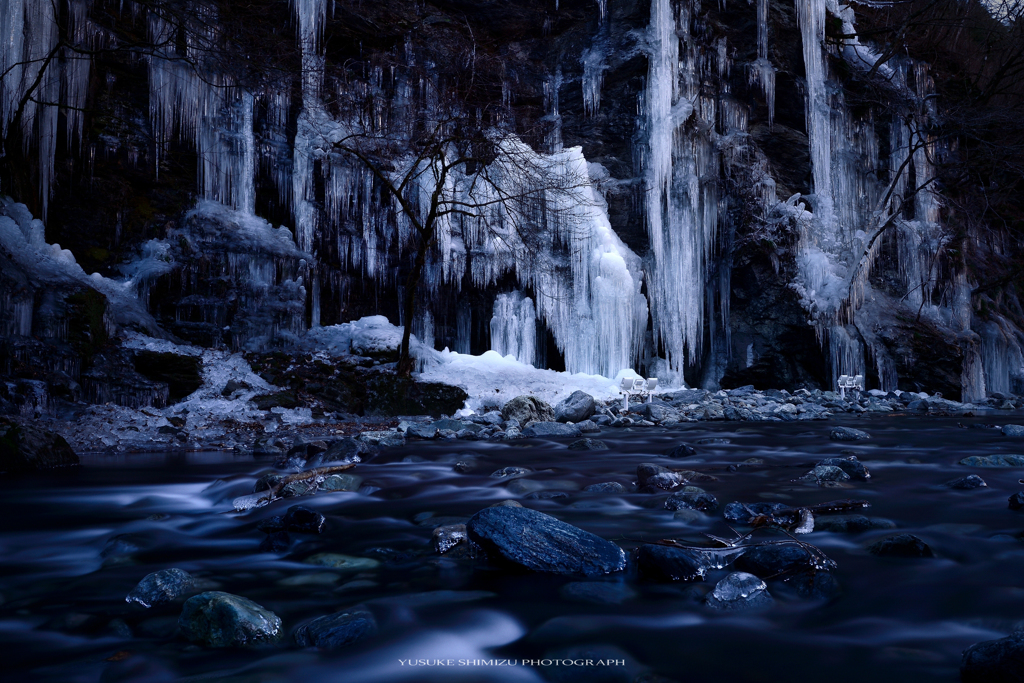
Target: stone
[
  {"x": 161, "y": 587},
  {"x": 386, "y": 438},
  {"x": 447, "y": 537},
  {"x": 345, "y": 450},
  {"x": 713, "y": 441},
  {"x": 576, "y": 407},
  {"x": 251, "y": 501},
  {"x": 848, "y": 434},
  {"x": 302, "y": 520},
  {"x": 692, "y": 498},
  {"x": 337, "y": 630},
  {"x": 742, "y": 512},
  {"x": 901, "y": 545},
  {"x": 601, "y": 420},
  {"x": 527, "y": 409},
  {"x": 971, "y": 481},
  {"x": 597, "y": 592},
  {"x": 540, "y": 542},
  {"x": 993, "y": 461},
  {"x": 267, "y": 482},
  {"x": 463, "y": 466},
  {"x": 455, "y": 425},
  {"x": 232, "y": 386},
  {"x": 648, "y": 471},
  {"x": 341, "y": 482},
  {"x": 852, "y": 524},
  {"x": 683, "y": 450},
  {"x": 27, "y": 448},
  {"x": 740, "y": 591},
  {"x": 605, "y": 487},
  {"x": 851, "y": 465},
  {"x": 510, "y": 472},
  {"x": 418, "y": 431},
  {"x": 1017, "y": 501},
  {"x": 664, "y": 563},
  {"x": 588, "y": 427},
  {"x": 814, "y": 584},
  {"x": 770, "y": 560},
  {"x": 1013, "y": 430},
  {"x": 276, "y": 542},
  {"x": 826, "y": 473},
  {"x": 344, "y": 562},
  {"x": 994, "y": 661},
  {"x": 301, "y": 487},
  {"x": 588, "y": 445},
  {"x": 658, "y": 412},
  {"x": 545, "y": 429},
  {"x": 218, "y": 619}
]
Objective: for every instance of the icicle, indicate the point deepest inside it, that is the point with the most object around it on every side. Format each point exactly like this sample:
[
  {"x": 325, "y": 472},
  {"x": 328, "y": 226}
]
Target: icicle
[
  {"x": 593, "y": 76},
  {"x": 514, "y": 327}
]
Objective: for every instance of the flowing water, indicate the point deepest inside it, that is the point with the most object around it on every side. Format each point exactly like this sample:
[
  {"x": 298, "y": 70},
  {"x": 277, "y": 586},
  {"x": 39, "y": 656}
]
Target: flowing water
[{"x": 76, "y": 542}]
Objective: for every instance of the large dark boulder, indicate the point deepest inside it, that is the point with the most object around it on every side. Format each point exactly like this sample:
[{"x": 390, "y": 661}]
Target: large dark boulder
[
  {"x": 27, "y": 448},
  {"x": 161, "y": 587},
  {"x": 771, "y": 560},
  {"x": 335, "y": 631},
  {"x": 527, "y": 409},
  {"x": 217, "y": 619},
  {"x": 994, "y": 661},
  {"x": 539, "y": 542},
  {"x": 665, "y": 563},
  {"x": 182, "y": 374},
  {"x": 576, "y": 407}
]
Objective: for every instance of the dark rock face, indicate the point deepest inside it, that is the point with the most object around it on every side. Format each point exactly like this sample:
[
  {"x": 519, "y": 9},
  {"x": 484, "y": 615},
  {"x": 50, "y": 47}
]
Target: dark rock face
[
  {"x": 994, "y": 661},
  {"x": 161, "y": 587},
  {"x": 578, "y": 406},
  {"x": 217, "y": 619},
  {"x": 605, "y": 487},
  {"x": 665, "y": 563},
  {"x": 540, "y": 542},
  {"x": 182, "y": 374},
  {"x": 336, "y": 631},
  {"x": 901, "y": 545},
  {"x": 27, "y": 448}
]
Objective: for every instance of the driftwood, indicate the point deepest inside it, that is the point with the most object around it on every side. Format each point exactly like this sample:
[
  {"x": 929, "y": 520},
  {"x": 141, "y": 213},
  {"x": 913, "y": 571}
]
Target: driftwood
[{"x": 261, "y": 498}]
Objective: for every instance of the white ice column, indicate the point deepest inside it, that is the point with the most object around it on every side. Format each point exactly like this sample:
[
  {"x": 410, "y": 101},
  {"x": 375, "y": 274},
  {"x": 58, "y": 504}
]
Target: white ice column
[{"x": 514, "y": 327}]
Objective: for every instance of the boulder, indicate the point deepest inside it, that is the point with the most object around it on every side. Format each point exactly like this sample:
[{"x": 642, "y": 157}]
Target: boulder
[
  {"x": 658, "y": 412},
  {"x": 651, "y": 477},
  {"x": 665, "y": 563},
  {"x": 547, "y": 429},
  {"x": 341, "y": 482},
  {"x": 1013, "y": 430},
  {"x": 448, "y": 536},
  {"x": 217, "y": 619},
  {"x": 1017, "y": 501},
  {"x": 851, "y": 465},
  {"x": 527, "y": 409},
  {"x": 740, "y": 591},
  {"x": 848, "y": 434},
  {"x": 336, "y": 631},
  {"x": 769, "y": 560},
  {"x": 28, "y": 448},
  {"x": 692, "y": 498},
  {"x": 743, "y": 512},
  {"x": 971, "y": 481},
  {"x": 683, "y": 450},
  {"x": 994, "y": 661},
  {"x": 588, "y": 445},
  {"x": 576, "y": 407},
  {"x": 302, "y": 520},
  {"x": 993, "y": 461},
  {"x": 605, "y": 487},
  {"x": 161, "y": 587},
  {"x": 540, "y": 542},
  {"x": 901, "y": 545}
]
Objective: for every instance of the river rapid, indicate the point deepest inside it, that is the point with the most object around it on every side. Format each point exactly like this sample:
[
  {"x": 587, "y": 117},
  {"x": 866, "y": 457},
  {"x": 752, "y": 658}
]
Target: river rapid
[{"x": 75, "y": 542}]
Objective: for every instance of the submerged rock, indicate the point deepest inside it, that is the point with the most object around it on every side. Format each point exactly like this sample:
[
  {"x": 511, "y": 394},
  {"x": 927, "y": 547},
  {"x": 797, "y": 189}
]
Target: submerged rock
[
  {"x": 336, "y": 631},
  {"x": 848, "y": 434},
  {"x": 597, "y": 592},
  {"x": 994, "y": 461},
  {"x": 740, "y": 591},
  {"x": 161, "y": 587},
  {"x": 851, "y": 523},
  {"x": 540, "y": 542},
  {"x": 851, "y": 465},
  {"x": 1017, "y": 501},
  {"x": 665, "y": 563},
  {"x": 743, "y": 512},
  {"x": 692, "y": 498},
  {"x": 971, "y": 481},
  {"x": 994, "y": 661},
  {"x": 1013, "y": 430},
  {"x": 605, "y": 487},
  {"x": 576, "y": 407},
  {"x": 770, "y": 560},
  {"x": 339, "y": 561},
  {"x": 901, "y": 545},
  {"x": 683, "y": 450},
  {"x": 217, "y": 619},
  {"x": 341, "y": 482},
  {"x": 588, "y": 445},
  {"x": 447, "y": 537}
]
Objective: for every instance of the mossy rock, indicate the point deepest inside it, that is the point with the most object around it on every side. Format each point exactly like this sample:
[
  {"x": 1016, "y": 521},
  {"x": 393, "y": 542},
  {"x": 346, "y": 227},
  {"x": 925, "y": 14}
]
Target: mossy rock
[{"x": 182, "y": 374}]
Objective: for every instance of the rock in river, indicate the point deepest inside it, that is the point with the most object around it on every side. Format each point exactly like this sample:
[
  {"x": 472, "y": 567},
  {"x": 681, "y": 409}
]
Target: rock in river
[
  {"x": 588, "y": 445},
  {"x": 217, "y": 619},
  {"x": 692, "y": 498},
  {"x": 738, "y": 591},
  {"x": 551, "y": 429},
  {"x": 161, "y": 587},
  {"x": 848, "y": 434},
  {"x": 1017, "y": 501},
  {"x": 665, "y": 563},
  {"x": 901, "y": 545},
  {"x": 578, "y": 406},
  {"x": 994, "y": 661},
  {"x": 770, "y": 560},
  {"x": 1013, "y": 430},
  {"x": 26, "y": 448},
  {"x": 540, "y": 542},
  {"x": 853, "y": 467},
  {"x": 994, "y": 461},
  {"x": 336, "y": 631},
  {"x": 971, "y": 481}
]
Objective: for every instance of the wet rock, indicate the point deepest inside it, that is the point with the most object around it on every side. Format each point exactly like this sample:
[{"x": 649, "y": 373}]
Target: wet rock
[
  {"x": 814, "y": 584},
  {"x": 303, "y": 520},
  {"x": 540, "y": 542},
  {"x": 421, "y": 431},
  {"x": 692, "y": 498},
  {"x": 301, "y": 487},
  {"x": 851, "y": 465},
  {"x": 655, "y": 477},
  {"x": 770, "y": 560},
  {"x": 665, "y": 563},
  {"x": 276, "y": 542},
  {"x": 683, "y": 450},
  {"x": 658, "y": 412},
  {"x": 588, "y": 427},
  {"x": 336, "y": 631},
  {"x": 546, "y": 495},
  {"x": 826, "y": 474},
  {"x": 267, "y": 482},
  {"x": 507, "y": 503},
  {"x": 341, "y": 482},
  {"x": 848, "y": 434},
  {"x": 344, "y": 562},
  {"x": 253, "y": 500},
  {"x": 28, "y": 448},
  {"x": 605, "y": 487},
  {"x": 576, "y": 407},
  {"x": 1013, "y": 430},
  {"x": 852, "y": 524},
  {"x": 161, "y": 587},
  {"x": 447, "y": 537},
  {"x": 597, "y": 592},
  {"x": 527, "y": 409},
  {"x": 513, "y": 433},
  {"x": 740, "y": 591},
  {"x": 994, "y": 661},
  {"x": 1017, "y": 501},
  {"x": 345, "y": 450},
  {"x": 901, "y": 545},
  {"x": 601, "y": 420},
  {"x": 217, "y": 619},
  {"x": 544, "y": 429},
  {"x": 463, "y": 466},
  {"x": 712, "y": 441},
  {"x": 510, "y": 472},
  {"x": 742, "y": 512},
  {"x": 385, "y": 438},
  {"x": 588, "y": 445},
  {"x": 994, "y": 461},
  {"x": 971, "y": 481}
]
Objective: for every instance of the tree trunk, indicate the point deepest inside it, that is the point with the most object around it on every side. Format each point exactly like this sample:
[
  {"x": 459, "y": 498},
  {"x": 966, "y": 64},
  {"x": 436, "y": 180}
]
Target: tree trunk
[{"x": 412, "y": 285}]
